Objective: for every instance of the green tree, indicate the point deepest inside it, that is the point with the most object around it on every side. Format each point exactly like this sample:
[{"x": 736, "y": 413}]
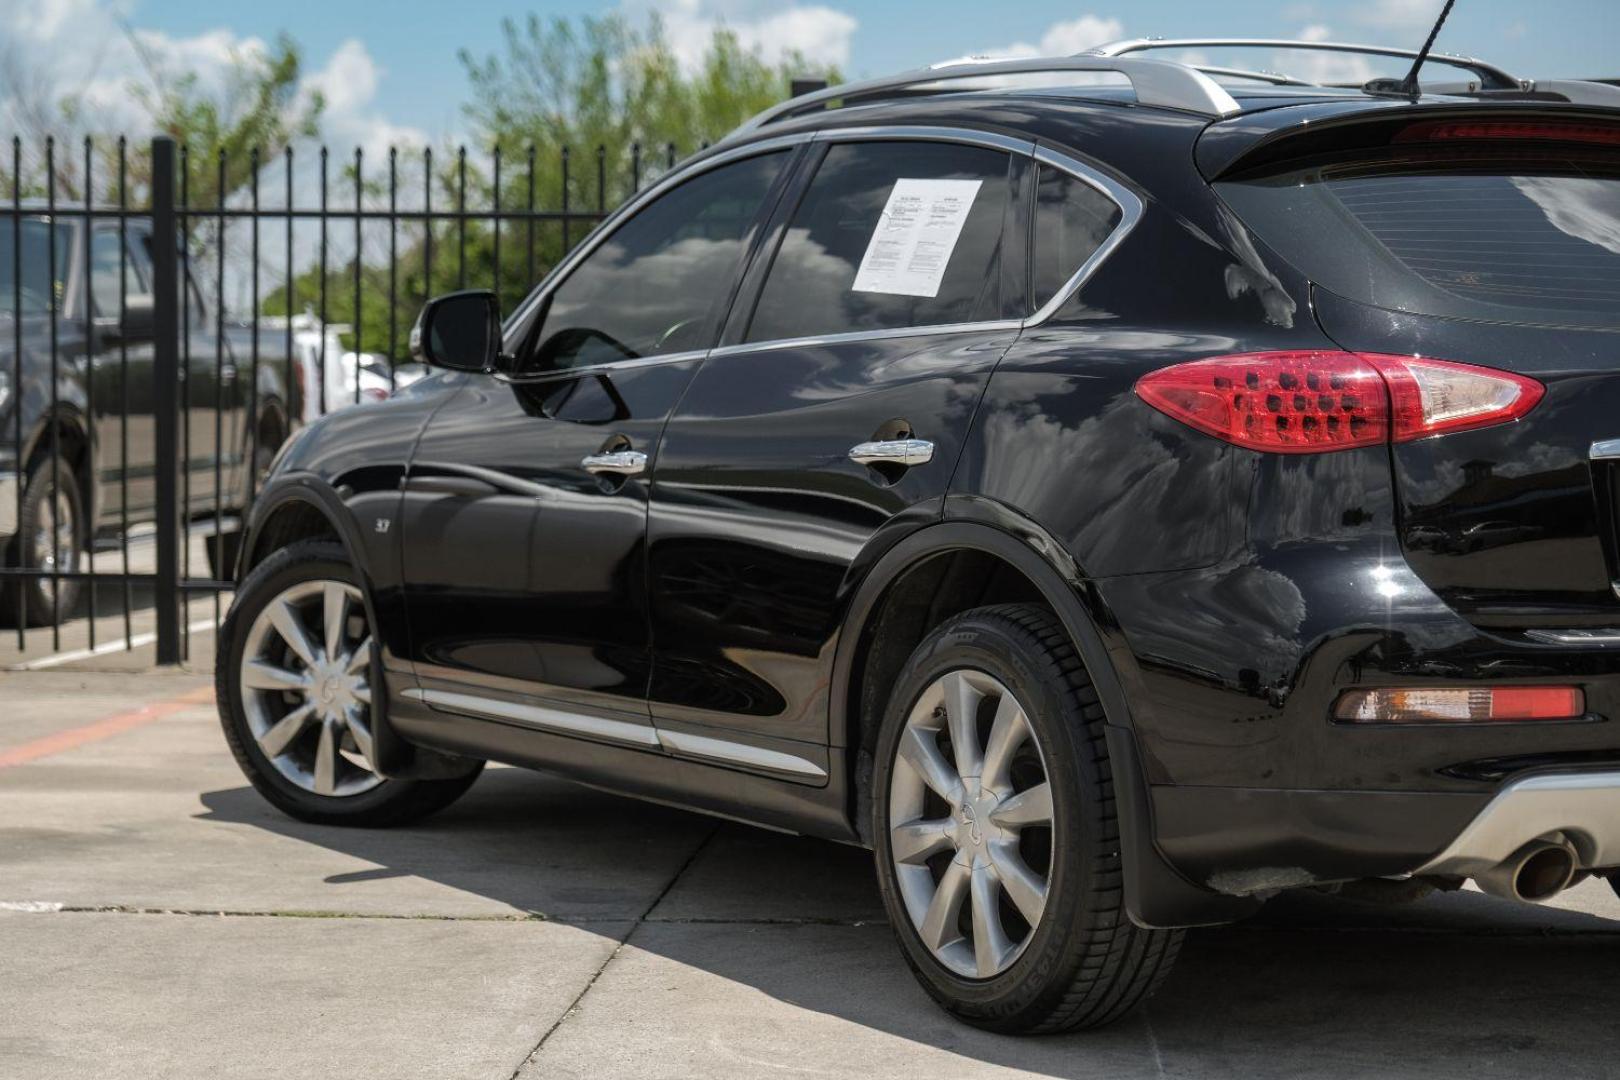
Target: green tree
[{"x": 581, "y": 114}]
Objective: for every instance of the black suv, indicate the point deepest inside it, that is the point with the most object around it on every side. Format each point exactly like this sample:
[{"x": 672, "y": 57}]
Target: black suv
[{"x": 1111, "y": 504}]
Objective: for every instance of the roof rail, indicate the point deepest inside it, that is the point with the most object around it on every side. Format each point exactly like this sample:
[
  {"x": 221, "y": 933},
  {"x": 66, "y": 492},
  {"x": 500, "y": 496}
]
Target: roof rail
[
  {"x": 1162, "y": 83},
  {"x": 1490, "y": 76}
]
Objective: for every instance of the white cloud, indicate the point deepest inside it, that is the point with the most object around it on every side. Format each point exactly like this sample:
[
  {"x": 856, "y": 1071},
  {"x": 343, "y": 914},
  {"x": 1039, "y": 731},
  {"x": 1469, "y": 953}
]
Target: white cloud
[
  {"x": 80, "y": 49},
  {"x": 348, "y": 84},
  {"x": 818, "y": 33},
  {"x": 1397, "y": 14},
  {"x": 1065, "y": 38},
  {"x": 1323, "y": 67}
]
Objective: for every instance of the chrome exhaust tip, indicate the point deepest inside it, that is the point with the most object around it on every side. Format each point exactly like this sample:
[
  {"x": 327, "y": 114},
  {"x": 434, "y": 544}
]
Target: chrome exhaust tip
[{"x": 1536, "y": 872}]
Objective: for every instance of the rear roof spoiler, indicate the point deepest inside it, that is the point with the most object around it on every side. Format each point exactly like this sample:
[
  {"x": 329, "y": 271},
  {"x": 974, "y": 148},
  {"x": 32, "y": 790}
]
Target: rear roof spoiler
[{"x": 1271, "y": 136}]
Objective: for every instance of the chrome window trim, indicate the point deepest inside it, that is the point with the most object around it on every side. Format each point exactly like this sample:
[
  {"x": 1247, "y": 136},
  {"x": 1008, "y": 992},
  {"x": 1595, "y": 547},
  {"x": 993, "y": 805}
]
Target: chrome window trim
[
  {"x": 1130, "y": 207},
  {"x": 1129, "y": 203},
  {"x": 927, "y": 133},
  {"x": 813, "y": 340},
  {"x": 608, "y": 225}
]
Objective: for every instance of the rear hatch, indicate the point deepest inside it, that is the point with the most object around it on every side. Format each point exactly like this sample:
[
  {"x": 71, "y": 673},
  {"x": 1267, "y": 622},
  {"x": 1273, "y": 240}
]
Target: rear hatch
[{"x": 1488, "y": 237}]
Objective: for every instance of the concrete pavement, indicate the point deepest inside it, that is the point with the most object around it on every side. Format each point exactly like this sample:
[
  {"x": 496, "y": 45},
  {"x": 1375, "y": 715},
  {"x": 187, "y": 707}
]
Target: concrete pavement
[{"x": 157, "y": 919}]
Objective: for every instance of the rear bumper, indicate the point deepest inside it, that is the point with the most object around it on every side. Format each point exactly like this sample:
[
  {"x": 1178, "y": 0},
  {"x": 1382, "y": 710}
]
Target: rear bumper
[
  {"x": 1582, "y": 808},
  {"x": 8, "y": 505}
]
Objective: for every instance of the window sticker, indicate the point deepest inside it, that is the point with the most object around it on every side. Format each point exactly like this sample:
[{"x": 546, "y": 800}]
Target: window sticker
[{"x": 914, "y": 239}]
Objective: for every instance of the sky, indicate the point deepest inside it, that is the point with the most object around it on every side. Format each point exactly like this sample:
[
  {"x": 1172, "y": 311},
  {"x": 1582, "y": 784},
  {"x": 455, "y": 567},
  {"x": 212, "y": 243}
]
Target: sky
[{"x": 390, "y": 74}]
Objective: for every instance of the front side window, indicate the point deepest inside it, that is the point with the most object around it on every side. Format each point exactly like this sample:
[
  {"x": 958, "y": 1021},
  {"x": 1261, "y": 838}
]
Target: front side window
[
  {"x": 1072, "y": 219},
  {"x": 658, "y": 283},
  {"x": 890, "y": 235}
]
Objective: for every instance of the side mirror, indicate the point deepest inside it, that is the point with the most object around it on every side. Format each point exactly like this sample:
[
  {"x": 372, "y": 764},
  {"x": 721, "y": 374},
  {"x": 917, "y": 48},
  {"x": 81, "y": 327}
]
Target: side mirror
[
  {"x": 138, "y": 319},
  {"x": 460, "y": 331}
]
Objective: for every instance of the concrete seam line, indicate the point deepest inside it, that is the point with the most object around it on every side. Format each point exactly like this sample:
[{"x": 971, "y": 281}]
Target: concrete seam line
[
  {"x": 106, "y": 728},
  {"x": 614, "y": 955}
]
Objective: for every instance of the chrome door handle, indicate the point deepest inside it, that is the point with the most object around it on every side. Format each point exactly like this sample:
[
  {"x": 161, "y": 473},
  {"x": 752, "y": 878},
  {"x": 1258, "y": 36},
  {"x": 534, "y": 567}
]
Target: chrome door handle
[
  {"x": 618, "y": 463},
  {"x": 905, "y": 452}
]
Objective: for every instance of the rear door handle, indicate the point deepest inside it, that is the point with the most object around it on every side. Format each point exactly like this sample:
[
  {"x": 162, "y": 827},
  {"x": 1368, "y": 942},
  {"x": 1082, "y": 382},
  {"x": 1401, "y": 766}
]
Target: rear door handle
[
  {"x": 617, "y": 463},
  {"x": 903, "y": 452}
]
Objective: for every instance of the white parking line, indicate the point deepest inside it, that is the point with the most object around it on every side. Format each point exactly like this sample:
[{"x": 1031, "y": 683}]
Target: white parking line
[{"x": 73, "y": 655}]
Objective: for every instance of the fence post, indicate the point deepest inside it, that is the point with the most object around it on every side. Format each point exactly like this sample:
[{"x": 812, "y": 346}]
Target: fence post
[{"x": 165, "y": 397}]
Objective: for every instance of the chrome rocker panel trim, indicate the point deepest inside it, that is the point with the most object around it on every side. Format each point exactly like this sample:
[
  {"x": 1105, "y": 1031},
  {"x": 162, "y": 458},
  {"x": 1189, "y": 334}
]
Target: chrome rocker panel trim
[{"x": 621, "y": 732}]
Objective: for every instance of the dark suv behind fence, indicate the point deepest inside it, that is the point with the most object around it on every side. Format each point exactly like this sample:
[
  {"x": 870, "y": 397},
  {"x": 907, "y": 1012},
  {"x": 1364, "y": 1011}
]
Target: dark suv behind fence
[{"x": 1113, "y": 505}]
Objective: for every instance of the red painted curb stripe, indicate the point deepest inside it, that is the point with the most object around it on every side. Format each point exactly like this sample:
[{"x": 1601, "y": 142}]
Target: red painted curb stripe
[{"x": 106, "y": 728}]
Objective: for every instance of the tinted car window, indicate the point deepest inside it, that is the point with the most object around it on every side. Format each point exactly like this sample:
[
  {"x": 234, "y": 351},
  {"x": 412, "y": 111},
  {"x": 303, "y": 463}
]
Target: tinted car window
[
  {"x": 107, "y": 280},
  {"x": 811, "y": 288},
  {"x": 1072, "y": 219},
  {"x": 34, "y": 288},
  {"x": 656, "y": 285},
  {"x": 1533, "y": 239}
]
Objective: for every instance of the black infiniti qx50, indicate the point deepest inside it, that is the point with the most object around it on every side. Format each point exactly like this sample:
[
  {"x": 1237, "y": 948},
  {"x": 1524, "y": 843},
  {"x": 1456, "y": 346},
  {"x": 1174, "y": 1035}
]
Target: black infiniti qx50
[{"x": 1112, "y": 501}]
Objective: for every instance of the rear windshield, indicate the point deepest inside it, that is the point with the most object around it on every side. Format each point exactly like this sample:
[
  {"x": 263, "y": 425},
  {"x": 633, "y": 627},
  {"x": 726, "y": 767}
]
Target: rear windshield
[{"x": 1534, "y": 239}]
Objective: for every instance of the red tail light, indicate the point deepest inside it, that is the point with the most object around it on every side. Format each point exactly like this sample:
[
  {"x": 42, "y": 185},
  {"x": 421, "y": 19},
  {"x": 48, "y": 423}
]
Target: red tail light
[
  {"x": 1537, "y": 130},
  {"x": 1315, "y": 401}
]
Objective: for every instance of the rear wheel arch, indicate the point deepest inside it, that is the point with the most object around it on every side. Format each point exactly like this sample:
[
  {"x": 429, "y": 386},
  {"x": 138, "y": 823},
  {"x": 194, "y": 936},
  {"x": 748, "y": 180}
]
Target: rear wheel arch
[
  {"x": 934, "y": 573},
  {"x": 1023, "y": 558}
]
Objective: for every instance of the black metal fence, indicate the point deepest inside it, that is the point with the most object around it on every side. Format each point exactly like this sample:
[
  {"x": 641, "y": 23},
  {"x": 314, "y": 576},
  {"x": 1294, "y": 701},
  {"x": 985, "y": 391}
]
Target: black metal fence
[{"x": 149, "y": 384}]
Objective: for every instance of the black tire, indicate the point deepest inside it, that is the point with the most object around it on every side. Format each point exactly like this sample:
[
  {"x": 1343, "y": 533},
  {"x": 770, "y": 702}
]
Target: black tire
[
  {"x": 393, "y": 801},
  {"x": 1084, "y": 963},
  {"x": 25, "y": 552}
]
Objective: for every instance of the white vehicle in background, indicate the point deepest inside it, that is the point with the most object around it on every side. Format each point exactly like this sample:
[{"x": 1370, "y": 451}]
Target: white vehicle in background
[{"x": 330, "y": 376}]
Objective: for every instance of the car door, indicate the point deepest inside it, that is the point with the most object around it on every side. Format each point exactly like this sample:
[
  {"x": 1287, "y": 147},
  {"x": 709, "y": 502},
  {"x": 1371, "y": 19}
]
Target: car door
[
  {"x": 525, "y": 506},
  {"x": 834, "y": 410},
  {"x": 126, "y": 449}
]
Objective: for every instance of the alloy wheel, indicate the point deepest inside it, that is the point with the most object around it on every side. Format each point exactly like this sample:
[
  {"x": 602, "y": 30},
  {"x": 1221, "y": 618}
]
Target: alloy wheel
[
  {"x": 54, "y": 530},
  {"x": 305, "y": 681},
  {"x": 970, "y": 823}
]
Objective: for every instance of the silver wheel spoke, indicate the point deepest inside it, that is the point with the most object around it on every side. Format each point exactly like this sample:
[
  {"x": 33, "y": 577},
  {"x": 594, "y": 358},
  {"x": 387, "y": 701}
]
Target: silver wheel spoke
[
  {"x": 1023, "y": 885},
  {"x": 303, "y": 643},
  {"x": 962, "y": 712},
  {"x": 990, "y": 944},
  {"x": 285, "y": 620},
  {"x": 362, "y": 734},
  {"x": 326, "y": 759},
  {"x": 990, "y": 835},
  {"x": 938, "y": 927},
  {"x": 359, "y": 658},
  {"x": 917, "y": 841},
  {"x": 1007, "y": 733},
  {"x": 1032, "y": 807},
  {"x": 274, "y": 742},
  {"x": 335, "y": 611},
  {"x": 918, "y": 749},
  {"x": 260, "y": 675}
]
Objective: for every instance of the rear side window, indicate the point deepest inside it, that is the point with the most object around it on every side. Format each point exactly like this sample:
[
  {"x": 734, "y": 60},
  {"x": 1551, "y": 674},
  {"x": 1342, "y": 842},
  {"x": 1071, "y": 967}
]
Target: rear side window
[
  {"x": 1072, "y": 219},
  {"x": 1529, "y": 239},
  {"x": 848, "y": 263}
]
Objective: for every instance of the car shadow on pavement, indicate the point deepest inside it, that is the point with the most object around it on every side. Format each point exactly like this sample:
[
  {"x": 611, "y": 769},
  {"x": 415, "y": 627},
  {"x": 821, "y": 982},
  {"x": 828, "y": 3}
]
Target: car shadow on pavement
[{"x": 1459, "y": 984}]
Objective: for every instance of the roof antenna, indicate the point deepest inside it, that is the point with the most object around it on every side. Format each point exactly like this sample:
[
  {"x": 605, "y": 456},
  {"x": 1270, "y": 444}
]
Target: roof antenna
[{"x": 1408, "y": 87}]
